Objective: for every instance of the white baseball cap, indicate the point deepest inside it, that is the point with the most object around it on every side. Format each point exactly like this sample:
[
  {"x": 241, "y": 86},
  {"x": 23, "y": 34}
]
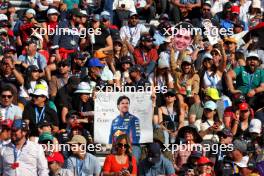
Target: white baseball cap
[
  {"x": 32, "y": 11},
  {"x": 84, "y": 87},
  {"x": 255, "y": 126},
  {"x": 52, "y": 11},
  {"x": 163, "y": 63},
  {"x": 41, "y": 89},
  {"x": 3, "y": 17},
  {"x": 253, "y": 54}
]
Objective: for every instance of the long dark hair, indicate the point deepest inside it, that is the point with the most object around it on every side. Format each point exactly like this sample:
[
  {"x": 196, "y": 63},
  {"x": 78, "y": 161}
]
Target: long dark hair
[
  {"x": 216, "y": 117},
  {"x": 128, "y": 149}
]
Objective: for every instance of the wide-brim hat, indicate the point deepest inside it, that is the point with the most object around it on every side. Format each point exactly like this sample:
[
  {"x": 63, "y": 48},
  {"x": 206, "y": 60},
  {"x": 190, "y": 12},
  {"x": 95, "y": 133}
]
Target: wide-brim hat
[{"x": 193, "y": 130}]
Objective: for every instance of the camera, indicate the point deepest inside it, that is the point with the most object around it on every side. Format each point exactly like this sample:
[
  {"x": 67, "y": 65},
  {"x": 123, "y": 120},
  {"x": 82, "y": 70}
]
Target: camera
[{"x": 123, "y": 6}]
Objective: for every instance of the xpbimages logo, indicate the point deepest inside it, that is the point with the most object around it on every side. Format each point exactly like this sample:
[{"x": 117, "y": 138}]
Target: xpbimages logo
[{"x": 212, "y": 148}]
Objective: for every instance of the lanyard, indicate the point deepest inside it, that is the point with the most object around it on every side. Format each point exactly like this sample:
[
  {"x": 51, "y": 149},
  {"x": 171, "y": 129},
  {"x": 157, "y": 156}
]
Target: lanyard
[
  {"x": 17, "y": 153},
  {"x": 79, "y": 166},
  {"x": 250, "y": 79},
  {"x": 172, "y": 116},
  {"x": 144, "y": 57},
  {"x": 132, "y": 34},
  {"x": 40, "y": 116},
  {"x": 211, "y": 80}
]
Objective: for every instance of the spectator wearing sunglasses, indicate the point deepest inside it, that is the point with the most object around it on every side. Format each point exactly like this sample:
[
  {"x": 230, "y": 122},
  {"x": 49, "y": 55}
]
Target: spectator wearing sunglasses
[
  {"x": 121, "y": 161},
  {"x": 8, "y": 109},
  {"x": 60, "y": 79},
  {"x": 38, "y": 110},
  {"x": 210, "y": 124},
  {"x": 32, "y": 78}
]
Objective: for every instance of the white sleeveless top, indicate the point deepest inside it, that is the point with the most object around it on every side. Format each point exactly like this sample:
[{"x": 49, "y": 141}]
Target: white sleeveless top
[{"x": 212, "y": 80}]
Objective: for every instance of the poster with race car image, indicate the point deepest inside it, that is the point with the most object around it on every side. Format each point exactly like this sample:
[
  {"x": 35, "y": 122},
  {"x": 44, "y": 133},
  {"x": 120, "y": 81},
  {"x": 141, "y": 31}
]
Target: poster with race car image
[{"x": 119, "y": 113}]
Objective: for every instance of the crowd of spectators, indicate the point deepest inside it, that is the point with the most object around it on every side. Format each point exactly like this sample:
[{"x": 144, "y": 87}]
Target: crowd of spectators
[{"x": 56, "y": 55}]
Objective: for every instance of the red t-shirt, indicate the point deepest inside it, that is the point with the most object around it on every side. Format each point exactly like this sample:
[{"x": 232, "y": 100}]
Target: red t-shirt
[
  {"x": 111, "y": 164},
  {"x": 151, "y": 56}
]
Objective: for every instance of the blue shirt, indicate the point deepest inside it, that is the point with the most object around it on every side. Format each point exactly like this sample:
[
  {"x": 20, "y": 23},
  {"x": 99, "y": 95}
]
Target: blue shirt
[
  {"x": 67, "y": 36},
  {"x": 129, "y": 124},
  {"x": 38, "y": 60},
  {"x": 12, "y": 112},
  {"x": 89, "y": 166},
  {"x": 163, "y": 167}
]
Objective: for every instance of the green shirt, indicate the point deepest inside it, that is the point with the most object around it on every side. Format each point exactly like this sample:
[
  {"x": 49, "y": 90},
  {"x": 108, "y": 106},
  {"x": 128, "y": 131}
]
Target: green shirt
[{"x": 246, "y": 81}]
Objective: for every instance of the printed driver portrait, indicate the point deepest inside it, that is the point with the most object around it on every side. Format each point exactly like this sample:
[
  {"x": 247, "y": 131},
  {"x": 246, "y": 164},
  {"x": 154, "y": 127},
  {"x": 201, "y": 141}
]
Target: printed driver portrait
[{"x": 125, "y": 123}]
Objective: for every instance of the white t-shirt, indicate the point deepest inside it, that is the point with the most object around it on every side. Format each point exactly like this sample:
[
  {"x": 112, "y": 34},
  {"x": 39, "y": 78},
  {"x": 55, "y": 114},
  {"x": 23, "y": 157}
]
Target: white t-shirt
[
  {"x": 132, "y": 33},
  {"x": 39, "y": 4},
  {"x": 204, "y": 126}
]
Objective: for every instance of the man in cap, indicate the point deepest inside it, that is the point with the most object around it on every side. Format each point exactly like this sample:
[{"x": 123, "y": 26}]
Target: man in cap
[
  {"x": 28, "y": 24},
  {"x": 32, "y": 57},
  {"x": 81, "y": 162},
  {"x": 38, "y": 110},
  {"x": 15, "y": 156},
  {"x": 125, "y": 123},
  {"x": 155, "y": 163},
  {"x": 60, "y": 79},
  {"x": 65, "y": 45},
  {"x": 222, "y": 160},
  {"x": 64, "y": 99},
  {"x": 138, "y": 82},
  {"x": 95, "y": 71},
  {"x": 131, "y": 33},
  {"x": 8, "y": 109},
  {"x": 145, "y": 54},
  {"x": 249, "y": 79},
  {"x": 55, "y": 163}
]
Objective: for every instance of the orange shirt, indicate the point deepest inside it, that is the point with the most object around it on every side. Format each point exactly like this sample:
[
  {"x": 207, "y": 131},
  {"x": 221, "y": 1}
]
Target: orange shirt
[{"x": 111, "y": 164}]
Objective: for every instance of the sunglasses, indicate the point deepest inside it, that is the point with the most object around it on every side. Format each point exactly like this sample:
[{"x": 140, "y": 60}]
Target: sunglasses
[
  {"x": 208, "y": 110},
  {"x": 214, "y": 54},
  {"x": 4, "y": 34},
  {"x": 7, "y": 96},
  {"x": 120, "y": 145},
  {"x": 37, "y": 96},
  {"x": 224, "y": 136},
  {"x": 204, "y": 9}
]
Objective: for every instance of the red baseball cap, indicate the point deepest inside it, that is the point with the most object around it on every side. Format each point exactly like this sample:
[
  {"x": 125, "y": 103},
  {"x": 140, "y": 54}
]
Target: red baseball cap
[
  {"x": 235, "y": 9},
  {"x": 243, "y": 107},
  {"x": 7, "y": 122},
  {"x": 204, "y": 160},
  {"x": 56, "y": 156}
]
